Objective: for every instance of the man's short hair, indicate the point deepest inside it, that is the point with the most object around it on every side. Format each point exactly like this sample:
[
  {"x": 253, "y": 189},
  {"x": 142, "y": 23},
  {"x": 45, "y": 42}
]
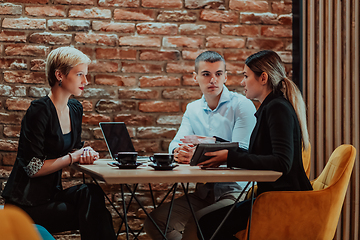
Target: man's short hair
[
  {"x": 63, "y": 59},
  {"x": 208, "y": 56}
]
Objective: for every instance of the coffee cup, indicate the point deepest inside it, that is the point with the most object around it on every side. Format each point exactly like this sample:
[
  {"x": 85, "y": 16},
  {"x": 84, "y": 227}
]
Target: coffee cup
[
  {"x": 162, "y": 159},
  {"x": 127, "y": 157}
]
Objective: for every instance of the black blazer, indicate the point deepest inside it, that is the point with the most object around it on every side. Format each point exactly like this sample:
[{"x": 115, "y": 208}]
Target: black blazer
[
  {"x": 41, "y": 137},
  {"x": 275, "y": 144}
]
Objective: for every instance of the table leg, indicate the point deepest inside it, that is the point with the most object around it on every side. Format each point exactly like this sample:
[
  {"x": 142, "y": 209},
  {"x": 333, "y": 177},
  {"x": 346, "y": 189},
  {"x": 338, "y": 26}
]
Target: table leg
[
  {"x": 152, "y": 196},
  {"x": 127, "y": 209},
  {"x": 125, "y": 212},
  {"x": 228, "y": 213},
  {"x": 170, "y": 209},
  {"x": 192, "y": 211},
  {"x": 147, "y": 214},
  {"x": 252, "y": 202}
]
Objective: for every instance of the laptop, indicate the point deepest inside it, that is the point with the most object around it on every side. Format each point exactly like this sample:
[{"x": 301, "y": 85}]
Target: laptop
[{"x": 117, "y": 138}]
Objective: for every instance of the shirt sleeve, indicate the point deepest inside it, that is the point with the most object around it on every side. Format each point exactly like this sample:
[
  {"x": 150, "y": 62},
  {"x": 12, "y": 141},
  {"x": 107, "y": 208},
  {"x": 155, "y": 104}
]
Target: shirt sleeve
[
  {"x": 33, "y": 129},
  {"x": 281, "y": 128},
  {"x": 184, "y": 130},
  {"x": 78, "y": 110},
  {"x": 244, "y": 123}
]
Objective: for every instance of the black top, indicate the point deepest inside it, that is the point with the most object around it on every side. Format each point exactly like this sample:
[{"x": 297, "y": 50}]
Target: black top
[
  {"x": 275, "y": 144},
  {"x": 41, "y": 137}
]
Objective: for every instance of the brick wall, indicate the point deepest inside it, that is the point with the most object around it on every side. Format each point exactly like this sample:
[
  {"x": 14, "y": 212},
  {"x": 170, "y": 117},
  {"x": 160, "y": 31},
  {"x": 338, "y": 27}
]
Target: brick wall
[{"x": 142, "y": 54}]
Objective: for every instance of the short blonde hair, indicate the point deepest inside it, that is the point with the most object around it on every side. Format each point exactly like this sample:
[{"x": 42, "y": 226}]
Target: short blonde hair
[{"x": 63, "y": 59}]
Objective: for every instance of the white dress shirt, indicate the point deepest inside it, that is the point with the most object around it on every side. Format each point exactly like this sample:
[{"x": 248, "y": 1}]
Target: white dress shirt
[{"x": 232, "y": 120}]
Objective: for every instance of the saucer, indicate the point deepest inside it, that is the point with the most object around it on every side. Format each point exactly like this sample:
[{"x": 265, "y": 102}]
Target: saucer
[
  {"x": 125, "y": 166},
  {"x": 168, "y": 167}
]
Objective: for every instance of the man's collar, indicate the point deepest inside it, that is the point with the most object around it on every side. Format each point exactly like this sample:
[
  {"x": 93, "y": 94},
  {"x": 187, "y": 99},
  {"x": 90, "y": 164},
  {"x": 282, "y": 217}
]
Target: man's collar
[{"x": 225, "y": 97}]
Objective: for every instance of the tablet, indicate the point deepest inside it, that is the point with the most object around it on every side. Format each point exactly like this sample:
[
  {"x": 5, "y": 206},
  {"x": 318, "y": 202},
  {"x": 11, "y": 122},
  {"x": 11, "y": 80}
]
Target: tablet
[{"x": 202, "y": 148}]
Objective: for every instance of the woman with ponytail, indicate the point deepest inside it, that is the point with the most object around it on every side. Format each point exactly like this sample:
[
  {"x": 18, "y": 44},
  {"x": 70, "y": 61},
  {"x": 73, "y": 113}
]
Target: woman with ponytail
[{"x": 275, "y": 144}]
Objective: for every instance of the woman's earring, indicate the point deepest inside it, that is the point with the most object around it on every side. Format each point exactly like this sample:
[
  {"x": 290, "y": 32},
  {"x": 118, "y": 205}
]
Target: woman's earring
[{"x": 60, "y": 82}]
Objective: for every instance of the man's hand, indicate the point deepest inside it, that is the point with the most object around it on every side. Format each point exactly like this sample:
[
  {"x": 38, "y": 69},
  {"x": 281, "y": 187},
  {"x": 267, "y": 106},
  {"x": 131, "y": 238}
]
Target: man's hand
[
  {"x": 218, "y": 158},
  {"x": 194, "y": 139},
  {"x": 184, "y": 153}
]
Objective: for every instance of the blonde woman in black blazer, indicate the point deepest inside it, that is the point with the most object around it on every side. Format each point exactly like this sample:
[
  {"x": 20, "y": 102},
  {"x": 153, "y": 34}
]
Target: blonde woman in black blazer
[
  {"x": 50, "y": 140},
  {"x": 275, "y": 144}
]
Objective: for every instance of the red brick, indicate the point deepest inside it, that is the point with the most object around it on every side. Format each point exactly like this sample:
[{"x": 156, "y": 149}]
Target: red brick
[
  {"x": 11, "y": 118},
  {"x": 159, "y": 106},
  {"x": 177, "y": 16},
  {"x": 141, "y": 68},
  {"x": 162, "y": 3},
  {"x": 68, "y": 25},
  {"x": 276, "y": 31},
  {"x": 115, "y": 80},
  {"x": 50, "y": 38},
  {"x": 221, "y": 42},
  {"x": 219, "y": 16},
  {"x": 87, "y": 50},
  {"x": 258, "y": 18},
  {"x": 240, "y": 30},
  {"x": 87, "y": 106},
  {"x": 26, "y": 50},
  {"x": 94, "y": 119},
  {"x": 24, "y": 77},
  {"x": 234, "y": 67},
  {"x": 97, "y": 145},
  {"x": 11, "y": 36},
  {"x": 8, "y": 145},
  {"x": 112, "y": 106},
  {"x": 134, "y": 120},
  {"x": 146, "y": 146},
  {"x": 12, "y": 130},
  {"x": 159, "y": 81},
  {"x": 140, "y": 41},
  {"x": 99, "y": 13},
  {"x": 98, "y": 39},
  {"x": 169, "y": 120},
  {"x": 119, "y": 3},
  {"x": 58, "y": 11},
  {"x": 249, "y": 5},
  {"x": 10, "y": 9},
  {"x": 134, "y": 14},
  {"x": 237, "y": 55},
  {"x": 188, "y": 80},
  {"x": 157, "y": 28},
  {"x": 9, "y": 159},
  {"x": 12, "y": 91},
  {"x": 159, "y": 55},
  {"x": 199, "y": 29},
  {"x": 281, "y": 7},
  {"x": 75, "y": 2},
  {"x": 29, "y": 1},
  {"x": 180, "y": 67},
  {"x": 191, "y": 54},
  {"x": 102, "y": 66},
  {"x": 261, "y": 43},
  {"x": 234, "y": 80},
  {"x": 138, "y": 94},
  {"x": 113, "y": 27},
  {"x": 37, "y": 65},
  {"x": 24, "y": 23},
  {"x": 180, "y": 41},
  {"x": 12, "y": 63},
  {"x": 204, "y": 4},
  {"x": 17, "y": 104},
  {"x": 156, "y": 132},
  {"x": 182, "y": 93},
  {"x": 183, "y": 106},
  {"x": 286, "y": 57},
  {"x": 111, "y": 53},
  {"x": 285, "y": 19}
]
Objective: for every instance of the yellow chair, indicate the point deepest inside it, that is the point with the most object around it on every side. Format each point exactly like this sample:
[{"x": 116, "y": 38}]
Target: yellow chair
[
  {"x": 306, "y": 157},
  {"x": 15, "y": 224},
  {"x": 299, "y": 215}
]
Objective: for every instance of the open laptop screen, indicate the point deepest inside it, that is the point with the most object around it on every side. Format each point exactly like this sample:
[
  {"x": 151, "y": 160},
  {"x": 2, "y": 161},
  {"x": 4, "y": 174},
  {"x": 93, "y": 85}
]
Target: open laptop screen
[{"x": 117, "y": 137}]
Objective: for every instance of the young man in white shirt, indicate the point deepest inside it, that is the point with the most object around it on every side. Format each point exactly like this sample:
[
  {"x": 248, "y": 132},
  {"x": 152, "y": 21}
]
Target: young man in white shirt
[{"x": 220, "y": 115}]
